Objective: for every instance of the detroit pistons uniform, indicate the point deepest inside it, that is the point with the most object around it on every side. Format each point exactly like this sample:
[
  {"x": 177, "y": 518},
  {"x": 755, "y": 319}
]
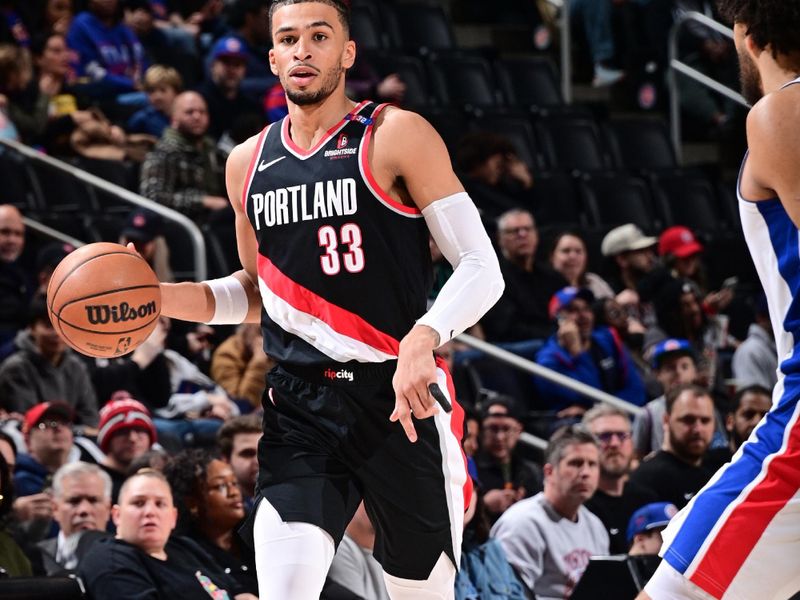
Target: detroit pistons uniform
[
  {"x": 344, "y": 271},
  {"x": 739, "y": 538}
]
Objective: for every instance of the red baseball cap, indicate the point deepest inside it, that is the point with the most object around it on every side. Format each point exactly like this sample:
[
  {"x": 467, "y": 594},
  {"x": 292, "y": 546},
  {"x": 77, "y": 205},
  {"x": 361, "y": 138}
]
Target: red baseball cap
[
  {"x": 43, "y": 410},
  {"x": 679, "y": 241}
]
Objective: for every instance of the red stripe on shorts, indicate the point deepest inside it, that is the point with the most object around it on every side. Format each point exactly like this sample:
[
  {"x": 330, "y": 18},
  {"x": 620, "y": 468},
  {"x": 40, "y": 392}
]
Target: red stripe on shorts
[
  {"x": 457, "y": 426},
  {"x": 747, "y": 522}
]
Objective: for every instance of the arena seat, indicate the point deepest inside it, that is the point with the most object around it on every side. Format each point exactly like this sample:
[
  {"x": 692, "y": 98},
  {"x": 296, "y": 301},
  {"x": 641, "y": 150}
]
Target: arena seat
[
  {"x": 41, "y": 588},
  {"x": 463, "y": 80},
  {"x": 556, "y": 203},
  {"x": 450, "y": 124},
  {"x": 411, "y": 70},
  {"x": 529, "y": 81},
  {"x": 366, "y": 29},
  {"x": 687, "y": 198},
  {"x": 17, "y": 187},
  {"x": 640, "y": 144},
  {"x": 423, "y": 27},
  {"x": 519, "y": 130},
  {"x": 618, "y": 198},
  {"x": 575, "y": 143}
]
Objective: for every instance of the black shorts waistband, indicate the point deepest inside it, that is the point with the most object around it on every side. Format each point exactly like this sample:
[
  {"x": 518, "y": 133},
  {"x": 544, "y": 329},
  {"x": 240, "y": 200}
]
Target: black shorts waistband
[{"x": 349, "y": 373}]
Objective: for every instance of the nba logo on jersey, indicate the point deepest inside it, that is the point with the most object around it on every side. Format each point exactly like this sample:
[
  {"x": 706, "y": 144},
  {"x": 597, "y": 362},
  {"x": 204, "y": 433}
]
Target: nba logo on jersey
[{"x": 342, "y": 142}]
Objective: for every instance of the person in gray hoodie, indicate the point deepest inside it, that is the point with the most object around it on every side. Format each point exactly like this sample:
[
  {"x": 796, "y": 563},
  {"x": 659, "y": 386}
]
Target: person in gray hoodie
[{"x": 43, "y": 369}]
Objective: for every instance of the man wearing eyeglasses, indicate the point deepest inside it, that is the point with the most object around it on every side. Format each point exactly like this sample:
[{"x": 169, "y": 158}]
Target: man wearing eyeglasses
[
  {"x": 521, "y": 313},
  {"x": 616, "y": 498}
]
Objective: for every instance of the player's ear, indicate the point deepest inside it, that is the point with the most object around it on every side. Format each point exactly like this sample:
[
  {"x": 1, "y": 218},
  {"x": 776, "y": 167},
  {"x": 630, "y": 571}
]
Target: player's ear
[
  {"x": 349, "y": 54},
  {"x": 753, "y": 49},
  {"x": 272, "y": 66}
]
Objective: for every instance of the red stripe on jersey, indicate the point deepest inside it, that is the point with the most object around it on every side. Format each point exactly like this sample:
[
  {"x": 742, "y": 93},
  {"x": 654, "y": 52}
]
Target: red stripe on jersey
[
  {"x": 457, "y": 426},
  {"x": 287, "y": 138},
  {"x": 747, "y": 522},
  {"x": 249, "y": 179},
  {"x": 411, "y": 210},
  {"x": 337, "y": 318}
]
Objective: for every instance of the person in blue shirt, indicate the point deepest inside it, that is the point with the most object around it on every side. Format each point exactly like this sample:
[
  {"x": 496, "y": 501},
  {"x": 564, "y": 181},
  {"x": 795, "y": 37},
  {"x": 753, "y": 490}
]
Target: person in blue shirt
[
  {"x": 592, "y": 355},
  {"x": 109, "y": 60},
  {"x": 162, "y": 84}
]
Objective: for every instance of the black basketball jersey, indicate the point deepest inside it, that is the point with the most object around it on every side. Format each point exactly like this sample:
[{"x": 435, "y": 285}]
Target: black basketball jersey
[{"x": 343, "y": 269}]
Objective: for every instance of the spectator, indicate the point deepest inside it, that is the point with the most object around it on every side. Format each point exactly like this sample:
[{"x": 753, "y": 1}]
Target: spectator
[
  {"x": 239, "y": 364},
  {"x": 184, "y": 171},
  {"x": 15, "y": 286},
  {"x": 12, "y": 560},
  {"x": 145, "y": 229},
  {"x": 143, "y": 561},
  {"x": 353, "y": 566},
  {"x": 674, "y": 363},
  {"x": 616, "y": 497},
  {"x": 749, "y": 406},
  {"x": 755, "y": 361},
  {"x": 505, "y": 476},
  {"x": 569, "y": 258},
  {"x": 162, "y": 84},
  {"x": 633, "y": 254},
  {"x": 210, "y": 507},
  {"x": 56, "y": 16},
  {"x": 238, "y": 443},
  {"x": 108, "y": 58},
  {"x": 81, "y": 503},
  {"x": 472, "y": 433},
  {"x": 493, "y": 173},
  {"x": 592, "y": 355},
  {"x": 522, "y": 311},
  {"x": 608, "y": 312},
  {"x": 47, "y": 259},
  {"x": 596, "y": 17},
  {"x": 48, "y": 437},
  {"x": 43, "y": 369},
  {"x": 222, "y": 91},
  {"x": 249, "y": 22},
  {"x": 676, "y": 472},
  {"x": 645, "y": 527},
  {"x": 549, "y": 538},
  {"x": 126, "y": 431}
]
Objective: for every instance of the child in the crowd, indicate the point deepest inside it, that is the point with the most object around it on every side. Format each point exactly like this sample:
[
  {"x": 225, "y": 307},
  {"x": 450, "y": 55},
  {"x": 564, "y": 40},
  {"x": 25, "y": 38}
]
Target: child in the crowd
[{"x": 162, "y": 85}]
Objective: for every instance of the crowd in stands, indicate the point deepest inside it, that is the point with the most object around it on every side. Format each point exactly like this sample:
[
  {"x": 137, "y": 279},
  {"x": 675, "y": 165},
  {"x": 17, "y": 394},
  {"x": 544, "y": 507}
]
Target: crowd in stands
[{"x": 134, "y": 473}]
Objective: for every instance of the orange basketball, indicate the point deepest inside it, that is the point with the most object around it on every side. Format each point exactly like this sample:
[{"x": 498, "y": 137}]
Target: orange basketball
[{"x": 104, "y": 300}]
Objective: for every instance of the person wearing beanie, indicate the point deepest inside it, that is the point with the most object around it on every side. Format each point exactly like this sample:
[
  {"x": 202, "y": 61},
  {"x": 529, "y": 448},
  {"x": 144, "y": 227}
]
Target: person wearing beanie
[{"x": 126, "y": 431}]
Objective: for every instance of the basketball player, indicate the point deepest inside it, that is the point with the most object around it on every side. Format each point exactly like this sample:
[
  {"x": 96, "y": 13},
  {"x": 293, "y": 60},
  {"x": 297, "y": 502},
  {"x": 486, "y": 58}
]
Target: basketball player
[
  {"x": 333, "y": 208},
  {"x": 739, "y": 538}
]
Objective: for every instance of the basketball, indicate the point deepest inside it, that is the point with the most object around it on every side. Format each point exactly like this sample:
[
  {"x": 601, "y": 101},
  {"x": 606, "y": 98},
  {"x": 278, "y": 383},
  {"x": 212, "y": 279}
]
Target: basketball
[{"x": 104, "y": 300}]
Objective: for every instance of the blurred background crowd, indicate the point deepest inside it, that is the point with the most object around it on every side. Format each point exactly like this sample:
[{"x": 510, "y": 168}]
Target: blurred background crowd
[{"x": 625, "y": 270}]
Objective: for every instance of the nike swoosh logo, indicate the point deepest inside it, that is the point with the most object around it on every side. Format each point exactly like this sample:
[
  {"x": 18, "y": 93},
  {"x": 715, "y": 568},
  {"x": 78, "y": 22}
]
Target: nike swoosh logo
[{"x": 263, "y": 166}]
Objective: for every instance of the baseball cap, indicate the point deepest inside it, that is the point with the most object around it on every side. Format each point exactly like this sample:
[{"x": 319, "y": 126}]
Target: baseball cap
[
  {"x": 651, "y": 516},
  {"x": 625, "y": 238},
  {"x": 142, "y": 226},
  {"x": 566, "y": 295},
  {"x": 679, "y": 241},
  {"x": 118, "y": 415},
  {"x": 51, "y": 254},
  {"x": 501, "y": 406},
  {"x": 670, "y": 347},
  {"x": 43, "y": 410},
  {"x": 228, "y": 46}
]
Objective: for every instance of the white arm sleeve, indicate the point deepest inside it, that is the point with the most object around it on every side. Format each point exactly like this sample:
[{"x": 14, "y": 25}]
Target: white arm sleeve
[{"x": 476, "y": 283}]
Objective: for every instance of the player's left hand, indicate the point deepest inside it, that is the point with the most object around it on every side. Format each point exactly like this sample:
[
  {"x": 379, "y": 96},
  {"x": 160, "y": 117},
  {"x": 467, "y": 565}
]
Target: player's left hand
[{"x": 416, "y": 369}]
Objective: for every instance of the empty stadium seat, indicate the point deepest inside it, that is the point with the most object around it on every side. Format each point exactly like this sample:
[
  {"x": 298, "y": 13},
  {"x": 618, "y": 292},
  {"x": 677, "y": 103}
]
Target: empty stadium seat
[
  {"x": 687, "y": 198},
  {"x": 411, "y": 70},
  {"x": 423, "y": 26},
  {"x": 574, "y": 143},
  {"x": 641, "y": 143},
  {"x": 462, "y": 80},
  {"x": 616, "y": 198},
  {"x": 529, "y": 81},
  {"x": 556, "y": 203},
  {"x": 365, "y": 28}
]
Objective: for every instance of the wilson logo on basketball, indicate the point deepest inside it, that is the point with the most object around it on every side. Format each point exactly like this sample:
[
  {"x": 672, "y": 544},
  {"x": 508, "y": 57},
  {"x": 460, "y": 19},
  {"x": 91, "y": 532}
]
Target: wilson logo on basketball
[{"x": 101, "y": 314}]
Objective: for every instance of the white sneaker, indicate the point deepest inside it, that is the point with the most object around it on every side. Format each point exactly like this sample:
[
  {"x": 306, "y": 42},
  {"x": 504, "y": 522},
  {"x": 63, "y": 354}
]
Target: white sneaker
[{"x": 604, "y": 76}]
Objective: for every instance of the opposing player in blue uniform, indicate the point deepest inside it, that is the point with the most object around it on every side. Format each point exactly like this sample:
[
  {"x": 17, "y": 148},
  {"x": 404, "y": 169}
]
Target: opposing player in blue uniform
[
  {"x": 739, "y": 538},
  {"x": 334, "y": 206}
]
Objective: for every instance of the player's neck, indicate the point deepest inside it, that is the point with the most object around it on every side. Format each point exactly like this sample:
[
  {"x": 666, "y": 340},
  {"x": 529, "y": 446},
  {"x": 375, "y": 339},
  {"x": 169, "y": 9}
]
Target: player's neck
[
  {"x": 310, "y": 123},
  {"x": 774, "y": 76}
]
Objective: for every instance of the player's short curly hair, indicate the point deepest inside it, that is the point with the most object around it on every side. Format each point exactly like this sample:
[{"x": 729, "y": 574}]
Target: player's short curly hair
[
  {"x": 342, "y": 7},
  {"x": 771, "y": 22}
]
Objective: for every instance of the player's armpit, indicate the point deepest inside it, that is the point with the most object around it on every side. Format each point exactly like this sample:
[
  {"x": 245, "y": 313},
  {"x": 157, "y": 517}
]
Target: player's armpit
[
  {"x": 407, "y": 147},
  {"x": 774, "y": 151}
]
